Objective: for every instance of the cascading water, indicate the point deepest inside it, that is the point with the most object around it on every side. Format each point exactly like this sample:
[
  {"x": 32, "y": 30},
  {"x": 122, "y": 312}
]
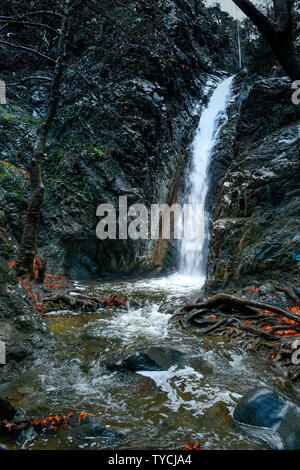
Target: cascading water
[{"x": 194, "y": 243}]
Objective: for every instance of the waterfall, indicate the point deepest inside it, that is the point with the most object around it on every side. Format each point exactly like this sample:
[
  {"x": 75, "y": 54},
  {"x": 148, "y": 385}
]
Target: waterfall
[
  {"x": 239, "y": 43},
  {"x": 237, "y": 11},
  {"x": 194, "y": 243}
]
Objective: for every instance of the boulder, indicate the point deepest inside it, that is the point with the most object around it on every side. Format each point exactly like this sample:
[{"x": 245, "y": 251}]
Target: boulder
[
  {"x": 91, "y": 427},
  {"x": 277, "y": 417},
  {"x": 152, "y": 359}
]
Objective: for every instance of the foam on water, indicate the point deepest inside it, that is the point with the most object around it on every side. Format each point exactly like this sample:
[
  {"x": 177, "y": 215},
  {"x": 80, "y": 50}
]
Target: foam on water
[
  {"x": 136, "y": 323},
  {"x": 185, "y": 387},
  {"x": 171, "y": 380},
  {"x": 175, "y": 284}
]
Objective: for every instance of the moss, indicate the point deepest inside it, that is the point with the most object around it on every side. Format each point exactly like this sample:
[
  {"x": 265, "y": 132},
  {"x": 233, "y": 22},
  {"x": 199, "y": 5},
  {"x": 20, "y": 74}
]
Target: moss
[
  {"x": 31, "y": 120},
  {"x": 13, "y": 181},
  {"x": 281, "y": 115},
  {"x": 15, "y": 115},
  {"x": 6, "y": 166},
  {"x": 97, "y": 150},
  {"x": 7, "y": 118},
  {"x": 57, "y": 154}
]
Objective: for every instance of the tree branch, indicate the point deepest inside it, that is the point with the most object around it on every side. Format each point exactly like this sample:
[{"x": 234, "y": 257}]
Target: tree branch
[
  {"x": 28, "y": 49},
  {"x": 48, "y": 79},
  {"x": 283, "y": 15},
  {"x": 33, "y": 13},
  {"x": 33, "y": 51},
  {"x": 99, "y": 11},
  {"x": 264, "y": 25},
  {"x": 28, "y": 23}
]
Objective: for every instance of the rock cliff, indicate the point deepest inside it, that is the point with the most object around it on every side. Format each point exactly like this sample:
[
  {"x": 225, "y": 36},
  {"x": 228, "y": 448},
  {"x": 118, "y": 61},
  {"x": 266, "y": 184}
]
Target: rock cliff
[{"x": 255, "y": 230}]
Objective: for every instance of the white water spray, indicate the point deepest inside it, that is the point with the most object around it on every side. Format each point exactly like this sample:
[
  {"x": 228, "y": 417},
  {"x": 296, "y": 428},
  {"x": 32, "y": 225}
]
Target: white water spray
[
  {"x": 193, "y": 254},
  {"x": 238, "y": 37}
]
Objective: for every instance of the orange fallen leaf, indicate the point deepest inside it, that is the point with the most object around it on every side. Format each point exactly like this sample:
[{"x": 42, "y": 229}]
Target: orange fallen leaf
[
  {"x": 193, "y": 445},
  {"x": 83, "y": 416}
]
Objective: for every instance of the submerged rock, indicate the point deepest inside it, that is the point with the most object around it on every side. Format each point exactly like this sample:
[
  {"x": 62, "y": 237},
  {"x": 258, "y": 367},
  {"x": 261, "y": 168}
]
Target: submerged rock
[
  {"x": 217, "y": 417},
  {"x": 152, "y": 359},
  {"x": 26, "y": 437},
  {"x": 91, "y": 427},
  {"x": 270, "y": 416}
]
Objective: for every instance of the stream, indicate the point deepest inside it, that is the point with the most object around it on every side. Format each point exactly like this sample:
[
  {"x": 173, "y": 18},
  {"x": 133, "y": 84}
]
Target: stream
[{"x": 159, "y": 410}]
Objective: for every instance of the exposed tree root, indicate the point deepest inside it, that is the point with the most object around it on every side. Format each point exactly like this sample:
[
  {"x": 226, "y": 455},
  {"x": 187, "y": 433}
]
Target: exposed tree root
[
  {"x": 81, "y": 303},
  {"x": 249, "y": 324},
  {"x": 48, "y": 292},
  {"x": 76, "y": 303},
  {"x": 226, "y": 302}
]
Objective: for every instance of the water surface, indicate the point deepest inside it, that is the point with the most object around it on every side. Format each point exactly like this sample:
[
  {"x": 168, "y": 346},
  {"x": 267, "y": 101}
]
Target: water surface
[{"x": 158, "y": 410}]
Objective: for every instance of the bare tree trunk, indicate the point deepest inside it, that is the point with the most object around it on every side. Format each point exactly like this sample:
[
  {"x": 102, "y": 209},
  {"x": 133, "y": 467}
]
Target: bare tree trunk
[
  {"x": 28, "y": 247},
  {"x": 279, "y": 35}
]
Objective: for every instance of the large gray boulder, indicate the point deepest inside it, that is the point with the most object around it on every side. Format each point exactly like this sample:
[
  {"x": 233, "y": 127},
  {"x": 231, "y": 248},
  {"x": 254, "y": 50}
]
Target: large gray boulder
[{"x": 270, "y": 416}]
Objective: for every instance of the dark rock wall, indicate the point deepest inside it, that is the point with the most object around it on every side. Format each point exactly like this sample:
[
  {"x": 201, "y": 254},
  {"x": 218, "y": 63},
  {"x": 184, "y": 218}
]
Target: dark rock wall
[
  {"x": 255, "y": 231},
  {"x": 25, "y": 335}
]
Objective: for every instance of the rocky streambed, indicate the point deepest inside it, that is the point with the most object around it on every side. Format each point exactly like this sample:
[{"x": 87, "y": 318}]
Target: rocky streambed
[{"x": 128, "y": 378}]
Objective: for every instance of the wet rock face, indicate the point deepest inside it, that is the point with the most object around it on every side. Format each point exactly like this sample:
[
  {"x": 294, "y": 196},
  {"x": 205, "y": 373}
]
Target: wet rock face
[
  {"x": 266, "y": 107},
  {"x": 256, "y": 226},
  {"x": 265, "y": 408},
  {"x": 24, "y": 334}
]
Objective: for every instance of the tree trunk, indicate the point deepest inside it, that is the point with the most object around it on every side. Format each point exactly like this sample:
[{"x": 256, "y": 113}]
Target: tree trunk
[
  {"x": 279, "y": 35},
  {"x": 28, "y": 247},
  {"x": 285, "y": 52}
]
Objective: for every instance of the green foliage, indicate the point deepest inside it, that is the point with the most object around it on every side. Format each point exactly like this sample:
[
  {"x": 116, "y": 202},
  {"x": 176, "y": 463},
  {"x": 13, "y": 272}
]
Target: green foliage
[
  {"x": 99, "y": 151},
  {"x": 258, "y": 56},
  {"x": 281, "y": 114},
  {"x": 7, "y": 118},
  {"x": 57, "y": 154},
  {"x": 31, "y": 120},
  {"x": 11, "y": 115},
  {"x": 14, "y": 180},
  {"x": 6, "y": 168}
]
